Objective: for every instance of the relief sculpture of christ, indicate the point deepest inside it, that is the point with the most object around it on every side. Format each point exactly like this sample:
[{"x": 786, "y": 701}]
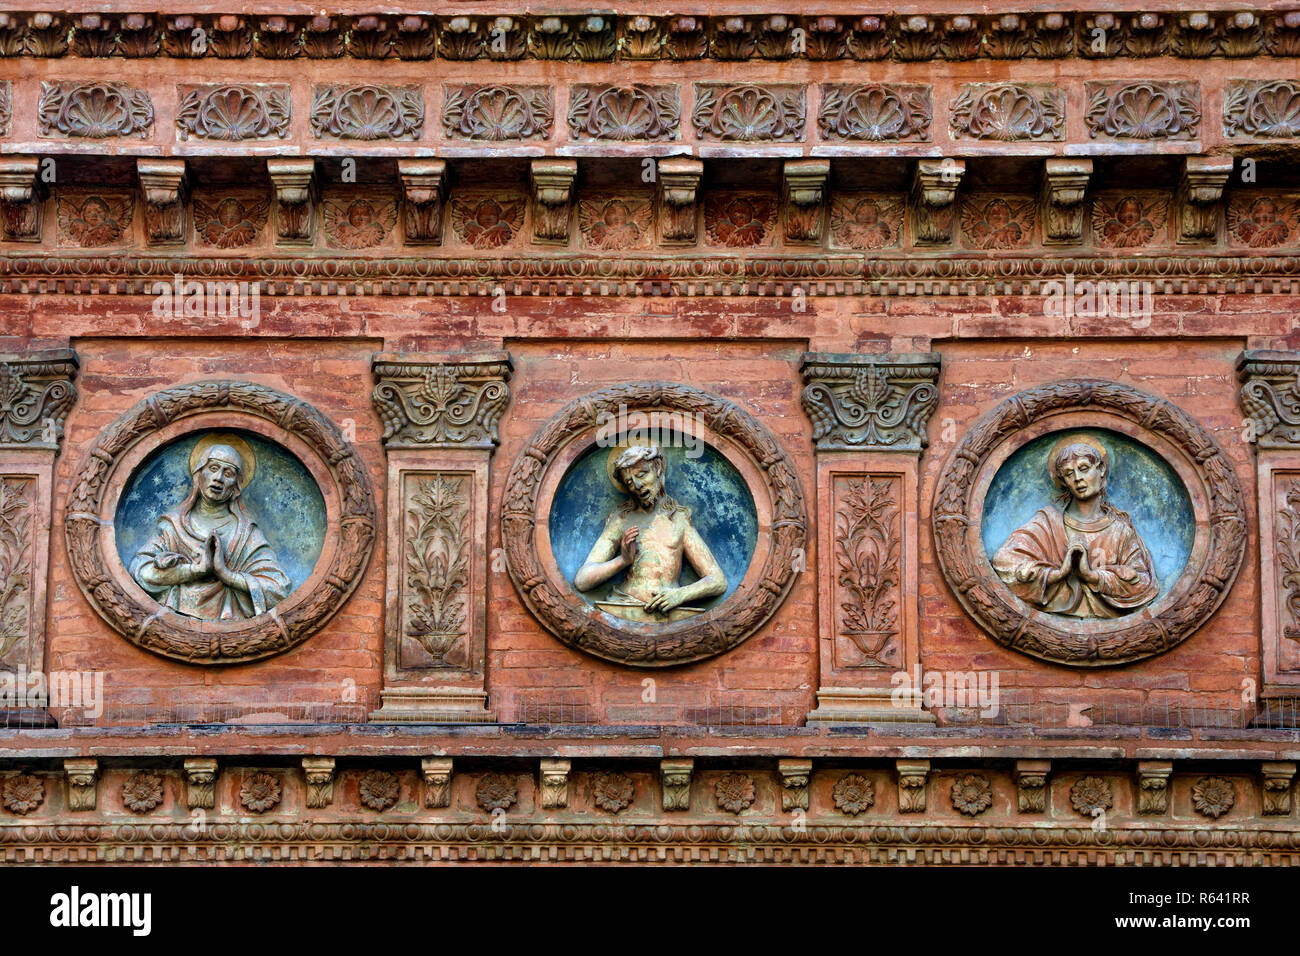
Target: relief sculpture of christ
[
  {"x": 1079, "y": 557},
  {"x": 646, "y": 539}
]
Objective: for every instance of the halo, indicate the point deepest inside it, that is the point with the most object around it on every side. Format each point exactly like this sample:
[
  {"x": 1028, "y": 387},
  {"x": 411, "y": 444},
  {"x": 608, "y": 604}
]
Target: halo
[
  {"x": 613, "y": 456},
  {"x": 1074, "y": 438},
  {"x": 234, "y": 441}
]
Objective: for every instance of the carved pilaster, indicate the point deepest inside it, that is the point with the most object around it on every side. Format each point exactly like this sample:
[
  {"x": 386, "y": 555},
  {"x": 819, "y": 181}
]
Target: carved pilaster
[
  {"x": 1275, "y": 787},
  {"x": 162, "y": 185},
  {"x": 424, "y": 185},
  {"x": 440, "y": 415},
  {"x": 552, "y": 181},
  {"x": 1200, "y": 197},
  {"x": 795, "y": 775},
  {"x": 82, "y": 774},
  {"x": 554, "y": 775},
  {"x": 200, "y": 783},
  {"x": 933, "y": 201},
  {"x": 36, "y": 395},
  {"x": 319, "y": 772},
  {"x": 869, "y": 415},
  {"x": 437, "y": 781},
  {"x": 1065, "y": 183},
  {"x": 804, "y": 183},
  {"x": 675, "y": 781},
  {"x": 1031, "y": 785},
  {"x": 22, "y": 198},
  {"x": 912, "y": 776},
  {"x": 1270, "y": 397},
  {"x": 1153, "y": 786},
  {"x": 679, "y": 185},
  {"x": 296, "y": 194}
]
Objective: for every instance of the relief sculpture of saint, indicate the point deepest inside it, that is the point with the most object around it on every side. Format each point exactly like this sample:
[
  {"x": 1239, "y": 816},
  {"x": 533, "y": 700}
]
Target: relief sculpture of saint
[
  {"x": 207, "y": 558},
  {"x": 648, "y": 536},
  {"x": 1080, "y": 557}
]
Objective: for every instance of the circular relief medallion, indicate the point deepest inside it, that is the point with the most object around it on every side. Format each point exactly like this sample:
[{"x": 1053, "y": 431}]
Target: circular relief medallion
[
  {"x": 653, "y": 524},
  {"x": 220, "y": 522},
  {"x": 1088, "y": 523}
]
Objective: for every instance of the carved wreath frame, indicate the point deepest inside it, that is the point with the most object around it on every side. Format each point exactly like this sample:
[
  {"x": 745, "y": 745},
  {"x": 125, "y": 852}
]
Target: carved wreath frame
[
  {"x": 581, "y": 626},
  {"x": 167, "y": 415},
  {"x": 1212, "y": 566}
]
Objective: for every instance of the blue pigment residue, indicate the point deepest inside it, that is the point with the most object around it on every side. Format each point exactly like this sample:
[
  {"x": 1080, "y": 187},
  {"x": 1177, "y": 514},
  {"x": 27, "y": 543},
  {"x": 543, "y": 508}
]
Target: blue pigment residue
[
  {"x": 1140, "y": 482},
  {"x": 282, "y": 499},
  {"x": 722, "y": 510}
]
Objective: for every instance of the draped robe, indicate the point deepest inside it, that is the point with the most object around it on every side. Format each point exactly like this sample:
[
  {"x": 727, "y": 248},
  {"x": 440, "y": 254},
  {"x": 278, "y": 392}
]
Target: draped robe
[
  {"x": 246, "y": 552},
  {"x": 1115, "y": 552}
]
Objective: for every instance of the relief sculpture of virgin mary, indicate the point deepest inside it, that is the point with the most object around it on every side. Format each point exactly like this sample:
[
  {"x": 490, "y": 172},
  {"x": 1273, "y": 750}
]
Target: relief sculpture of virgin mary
[
  {"x": 207, "y": 558},
  {"x": 1079, "y": 557}
]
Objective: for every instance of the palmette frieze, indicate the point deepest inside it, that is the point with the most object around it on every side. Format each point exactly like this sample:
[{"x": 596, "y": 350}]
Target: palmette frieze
[{"x": 594, "y": 37}]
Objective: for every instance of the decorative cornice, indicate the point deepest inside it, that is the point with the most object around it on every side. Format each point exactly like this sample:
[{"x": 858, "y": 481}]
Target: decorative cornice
[
  {"x": 762, "y": 274},
  {"x": 36, "y": 394},
  {"x": 441, "y": 401},
  {"x": 870, "y": 402},
  {"x": 1270, "y": 396},
  {"x": 691, "y": 36}
]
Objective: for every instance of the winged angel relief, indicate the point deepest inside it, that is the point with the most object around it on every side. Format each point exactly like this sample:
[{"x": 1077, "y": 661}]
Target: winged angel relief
[
  {"x": 230, "y": 222},
  {"x": 97, "y": 220}
]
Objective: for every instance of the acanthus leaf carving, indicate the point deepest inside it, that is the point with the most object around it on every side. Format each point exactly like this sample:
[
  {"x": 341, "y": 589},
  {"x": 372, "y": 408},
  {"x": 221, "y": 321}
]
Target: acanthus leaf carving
[
  {"x": 1270, "y": 396},
  {"x": 163, "y": 189},
  {"x": 868, "y": 551},
  {"x": 870, "y": 401},
  {"x": 1143, "y": 111},
  {"x": 875, "y": 113},
  {"x": 624, "y": 113},
  {"x": 17, "y": 503},
  {"x": 22, "y": 198},
  {"x": 234, "y": 112},
  {"x": 424, "y": 187},
  {"x": 1264, "y": 109},
  {"x": 453, "y": 404},
  {"x": 1065, "y": 183},
  {"x": 436, "y": 549},
  {"x": 749, "y": 113},
  {"x": 367, "y": 112},
  {"x": 498, "y": 113},
  {"x": 94, "y": 110},
  {"x": 1008, "y": 112}
]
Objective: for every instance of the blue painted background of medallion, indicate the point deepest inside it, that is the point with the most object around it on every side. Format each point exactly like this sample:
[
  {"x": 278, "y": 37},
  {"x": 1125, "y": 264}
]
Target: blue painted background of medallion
[
  {"x": 1139, "y": 482},
  {"x": 722, "y": 510},
  {"x": 282, "y": 499}
]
